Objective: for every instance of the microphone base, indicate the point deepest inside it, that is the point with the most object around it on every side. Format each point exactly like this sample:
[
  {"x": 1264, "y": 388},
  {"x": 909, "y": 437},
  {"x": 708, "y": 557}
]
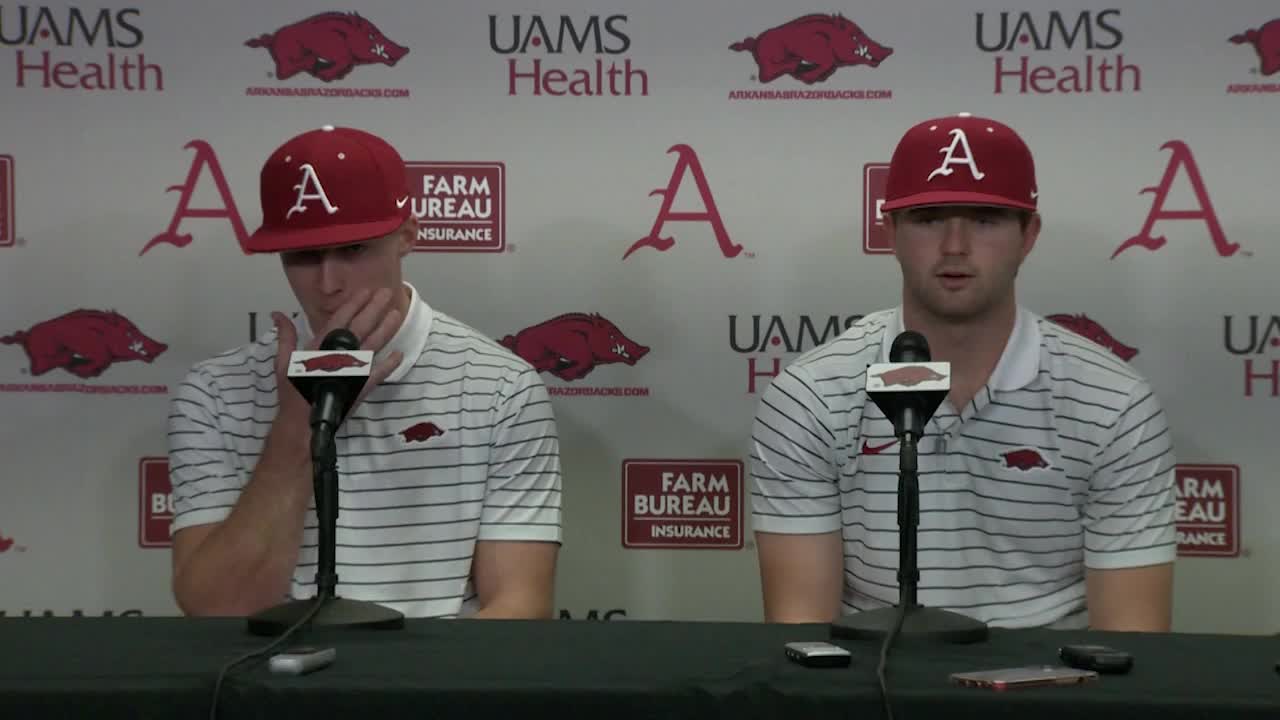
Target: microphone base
[
  {"x": 921, "y": 623},
  {"x": 336, "y": 612}
]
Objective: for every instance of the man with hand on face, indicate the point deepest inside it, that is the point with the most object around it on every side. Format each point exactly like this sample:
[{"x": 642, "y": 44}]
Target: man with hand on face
[
  {"x": 1046, "y": 476},
  {"x": 448, "y": 462}
]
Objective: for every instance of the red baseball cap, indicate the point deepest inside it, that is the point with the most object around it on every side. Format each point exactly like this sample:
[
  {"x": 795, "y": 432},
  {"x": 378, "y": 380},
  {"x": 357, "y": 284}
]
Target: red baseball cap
[
  {"x": 961, "y": 160},
  {"x": 331, "y": 186}
]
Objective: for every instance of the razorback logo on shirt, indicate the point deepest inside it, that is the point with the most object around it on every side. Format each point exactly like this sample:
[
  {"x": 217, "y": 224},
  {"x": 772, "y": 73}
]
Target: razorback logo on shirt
[
  {"x": 421, "y": 432},
  {"x": 1024, "y": 459}
]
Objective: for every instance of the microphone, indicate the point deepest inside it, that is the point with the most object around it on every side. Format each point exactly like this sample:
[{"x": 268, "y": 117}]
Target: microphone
[
  {"x": 331, "y": 378},
  {"x": 909, "y": 388}
]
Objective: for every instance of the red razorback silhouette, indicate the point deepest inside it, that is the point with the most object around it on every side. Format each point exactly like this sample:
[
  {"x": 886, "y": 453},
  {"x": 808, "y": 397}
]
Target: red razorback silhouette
[
  {"x": 5, "y": 543},
  {"x": 332, "y": 362},
  {"x": 1089, "y": 328},
  {"x": 570, "y": 346},
  {"x": 1266, "y": 42},
  {"x": 84, "y": 343},
  {"x": 812, "y": 47},
  {"x": 908, "y": 376},
  {"x": 1024, "y": 459},
  {"x": 328, "y": 46},
  {"x": 421, "y": 432}
]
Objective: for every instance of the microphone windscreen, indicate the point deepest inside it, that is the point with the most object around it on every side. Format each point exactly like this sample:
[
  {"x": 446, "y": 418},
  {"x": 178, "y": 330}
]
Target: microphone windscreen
[
  {"x": 340, "y": 339},
  {"x": 909, "y": 347}
]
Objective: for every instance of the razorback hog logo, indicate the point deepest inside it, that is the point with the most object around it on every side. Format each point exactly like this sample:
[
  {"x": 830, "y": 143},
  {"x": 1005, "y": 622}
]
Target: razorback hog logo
[
  {"x": 909, "y": 376},
  {"x": 1089, "y": 328},
  {"x": 332, "y": 362},
  {"x": 1024, "y": 459},
  {"x": 327, "y": 46},
  {"x": 812, "y": 47},
  {"x": 1266, "y": 42},
  {"x": 84, "y": 343},
  {"x": 5, "y": 543},
  {"x": 421, "y": 432},
  {"x": 572, "y": 345}
]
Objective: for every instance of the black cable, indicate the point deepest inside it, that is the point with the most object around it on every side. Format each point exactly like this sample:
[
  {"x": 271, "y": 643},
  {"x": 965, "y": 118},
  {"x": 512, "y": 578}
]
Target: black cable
[
  {"x": 263, "y": 652},
  {"x": 884, "y": 660}
]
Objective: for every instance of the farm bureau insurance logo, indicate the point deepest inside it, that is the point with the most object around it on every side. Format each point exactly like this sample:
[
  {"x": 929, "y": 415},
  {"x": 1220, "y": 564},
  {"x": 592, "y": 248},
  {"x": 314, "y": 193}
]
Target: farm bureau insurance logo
[
  {"x": 604, "y": 37},
  {"x": 682, "y": 504},
  {"x": 1026, "y": 32},
  {"x": 1264, "y": 40},
  {"x": 328, "y": 47},
  {"x": 765, "y": 338},
  {"x": 810, "y": 49},
  {"x": 875, "y": 238},
  {"x": 460, "y": 206},
  {"x": 1255, "y": 339},
  {"x": 26, "y": 26},
  {"x": 573, "y": 345},
  {"x": 155, "y": 503},
  {"x": 1207, "y": 510},
  {"x": 8, "y": 232},
  {"x": 83, "y": 343}
]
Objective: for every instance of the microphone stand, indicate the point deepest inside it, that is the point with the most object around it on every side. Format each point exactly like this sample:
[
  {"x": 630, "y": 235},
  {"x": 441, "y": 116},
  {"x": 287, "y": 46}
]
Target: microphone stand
[
  {"x": 908, "y": 617},
  {"x": 333, "y": 611}
]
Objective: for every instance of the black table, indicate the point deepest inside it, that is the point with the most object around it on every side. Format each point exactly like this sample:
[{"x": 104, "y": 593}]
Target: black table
[{"x": 104, "y": 668}]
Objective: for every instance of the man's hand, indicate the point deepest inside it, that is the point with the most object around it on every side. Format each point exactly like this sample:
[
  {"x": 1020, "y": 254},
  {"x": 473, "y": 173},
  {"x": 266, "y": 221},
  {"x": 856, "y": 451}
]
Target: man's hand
[{"x": 370, "y": 316}]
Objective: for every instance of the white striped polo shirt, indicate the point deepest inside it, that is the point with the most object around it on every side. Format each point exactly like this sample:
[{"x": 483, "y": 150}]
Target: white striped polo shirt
[
  {"x": 1062, "y": 461},
  {"x": 412, "y": 502}
]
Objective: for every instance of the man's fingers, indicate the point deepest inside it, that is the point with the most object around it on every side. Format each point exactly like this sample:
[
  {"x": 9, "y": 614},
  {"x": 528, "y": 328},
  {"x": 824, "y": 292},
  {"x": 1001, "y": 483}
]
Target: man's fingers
[
  {"x": 383, "y": 332},
  {"x": 286, "y": 341},
  {"x": 368, "y": 318},
  {"x": 341, "y": 317}
]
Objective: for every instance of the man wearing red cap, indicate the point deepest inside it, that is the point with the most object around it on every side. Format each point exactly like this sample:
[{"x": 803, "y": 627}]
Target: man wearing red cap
[
  {"x": 448, "y": 463},
  {"x": 1046, "y": 476}
]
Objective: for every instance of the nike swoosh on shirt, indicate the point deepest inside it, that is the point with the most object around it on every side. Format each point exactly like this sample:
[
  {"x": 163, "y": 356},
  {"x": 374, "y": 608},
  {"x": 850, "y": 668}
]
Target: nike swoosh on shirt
[{"x": 875, "y": 449}]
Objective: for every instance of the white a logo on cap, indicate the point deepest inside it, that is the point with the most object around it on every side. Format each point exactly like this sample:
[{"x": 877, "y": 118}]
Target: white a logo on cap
[
  {"x": 958, "y": 139},
  {"x": 309, "y": 179}
]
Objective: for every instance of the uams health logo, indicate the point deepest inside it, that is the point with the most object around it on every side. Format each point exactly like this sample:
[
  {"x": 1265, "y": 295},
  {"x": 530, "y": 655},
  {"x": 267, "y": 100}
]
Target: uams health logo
[
  {"x": 1091, "y": 329},
  {"x": 1255, "y": 339},
  {"x": 1180, "y": 160},
  {"x": 1207, "y": 510},
  {"x": 460, "y": 206},
  {"x": 1265, "y": 43},
  {"x": 682, "y": 504},
  {"x": 1087, "y": 35},
  {"x": 327, "y": 46},
  {"x": 571, "y": 346},
  {"x": 765, "y": 339},
  {"x": 686, "y": 162},
  {"x": 810, "y": 49},
  {"x": 602, "y": 38},
  {"x": 83, "y": 343},
  {"x": 8, "y": 234},
  {"x": 46, "y": 38},
  {"x": 155, "y": 503}
]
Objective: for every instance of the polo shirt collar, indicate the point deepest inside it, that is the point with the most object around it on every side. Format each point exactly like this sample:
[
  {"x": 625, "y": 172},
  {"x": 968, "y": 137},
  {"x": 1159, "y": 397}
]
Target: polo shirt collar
[{"x": 1019, "y": 362}]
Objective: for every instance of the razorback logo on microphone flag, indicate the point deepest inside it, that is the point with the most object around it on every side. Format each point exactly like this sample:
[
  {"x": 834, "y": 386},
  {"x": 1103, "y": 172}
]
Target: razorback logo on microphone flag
[
  {"x": 327, "y": 363},
  {"x": 900, "y": 377}
]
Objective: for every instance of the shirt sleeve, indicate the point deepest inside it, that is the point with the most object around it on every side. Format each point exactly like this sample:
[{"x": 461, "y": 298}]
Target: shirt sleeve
[
  {"x": 522, "y": 498},
  {"x": 794, "y": 478},
  {"x": 202, "y": 468},
  {"x": 1129, "y": 515}
]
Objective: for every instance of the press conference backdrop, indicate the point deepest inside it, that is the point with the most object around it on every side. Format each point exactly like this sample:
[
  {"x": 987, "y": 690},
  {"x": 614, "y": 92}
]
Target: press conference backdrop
[{"x": 658, "y": 168}]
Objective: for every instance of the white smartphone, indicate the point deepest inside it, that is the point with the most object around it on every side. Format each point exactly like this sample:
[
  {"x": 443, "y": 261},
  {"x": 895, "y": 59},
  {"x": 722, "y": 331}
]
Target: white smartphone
[{"x": 302, "y": 660}]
